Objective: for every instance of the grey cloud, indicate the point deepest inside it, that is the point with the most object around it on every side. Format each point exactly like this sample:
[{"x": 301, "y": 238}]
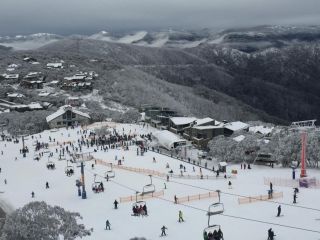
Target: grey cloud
[{"x": 83, "y": 16}]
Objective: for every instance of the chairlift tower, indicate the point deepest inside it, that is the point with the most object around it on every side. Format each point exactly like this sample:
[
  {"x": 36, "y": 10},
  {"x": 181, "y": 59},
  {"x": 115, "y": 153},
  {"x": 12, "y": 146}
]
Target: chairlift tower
[
  {"x": 79, "y": 157},
  {"x": 23, "y": 144},
  {"x": 303, "y": 126}
]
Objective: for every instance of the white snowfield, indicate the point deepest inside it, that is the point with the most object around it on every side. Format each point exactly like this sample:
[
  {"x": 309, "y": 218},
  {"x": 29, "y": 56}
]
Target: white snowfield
[{"x": 25, "y": 175}]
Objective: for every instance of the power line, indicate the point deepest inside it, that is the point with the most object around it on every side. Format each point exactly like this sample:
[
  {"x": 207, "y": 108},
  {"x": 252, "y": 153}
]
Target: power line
[
  {"x": 238, "y": 195},
  {"x": 227, "y": 215},
  {"x": 224, "y": 215}
]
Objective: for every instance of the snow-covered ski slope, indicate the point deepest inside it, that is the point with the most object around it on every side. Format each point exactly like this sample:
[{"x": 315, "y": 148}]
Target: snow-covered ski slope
[{"x": 25, "y": 175}]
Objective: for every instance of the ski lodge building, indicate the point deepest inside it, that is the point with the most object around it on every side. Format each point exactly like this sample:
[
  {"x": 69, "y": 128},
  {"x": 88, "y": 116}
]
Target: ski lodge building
[{"x": 67, "y": 116}]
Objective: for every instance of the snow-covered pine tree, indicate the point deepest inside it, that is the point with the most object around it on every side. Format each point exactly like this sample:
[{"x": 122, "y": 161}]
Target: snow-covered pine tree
[{"x": 38, "y": 220}]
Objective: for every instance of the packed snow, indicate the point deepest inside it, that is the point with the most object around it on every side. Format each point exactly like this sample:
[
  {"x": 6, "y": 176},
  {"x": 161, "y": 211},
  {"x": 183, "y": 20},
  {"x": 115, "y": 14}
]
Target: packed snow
[{"x": 24, "y": 175}]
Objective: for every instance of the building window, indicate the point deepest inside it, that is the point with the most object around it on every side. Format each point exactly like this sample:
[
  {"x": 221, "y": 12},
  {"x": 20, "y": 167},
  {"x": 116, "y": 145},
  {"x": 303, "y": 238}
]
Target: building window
[
  {"x": 73, "y": 115},
  {"x": 58, "y": 123},
  {"x": 64, "y": 116},
  {"x": 64, "y": 123}
]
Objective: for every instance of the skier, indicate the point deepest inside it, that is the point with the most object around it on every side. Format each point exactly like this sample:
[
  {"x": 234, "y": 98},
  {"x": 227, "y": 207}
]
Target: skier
[
  {"x": 180, "y": 216},
  {"x": 294, "y": 197},
  {"x": 108, "y": 225},
  {"x": 115, "y": 204},
  {"x": 167, "y": 178},
  {"x": 279, "y": 211},
  {"x": 270, "y": 234},
  {"x": 230, "y": 185},
  {"x": 154, "y": 160},
  {"x": 47, "y": 185},
  {"x": 32, "y": 194},
  {"x": 175, "y": 199},
  {"x": 165, "y": 185},
  {"x": 163, "y": 231}
]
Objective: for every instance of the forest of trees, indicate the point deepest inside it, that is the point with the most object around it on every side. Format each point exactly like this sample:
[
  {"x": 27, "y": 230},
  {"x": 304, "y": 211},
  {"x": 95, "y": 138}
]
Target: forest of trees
[{"x": 284, "y": 147}]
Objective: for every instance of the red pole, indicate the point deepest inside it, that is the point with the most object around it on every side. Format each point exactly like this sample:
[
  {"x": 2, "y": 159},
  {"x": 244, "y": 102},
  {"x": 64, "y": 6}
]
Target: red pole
[{"x": 303, "y": 155}]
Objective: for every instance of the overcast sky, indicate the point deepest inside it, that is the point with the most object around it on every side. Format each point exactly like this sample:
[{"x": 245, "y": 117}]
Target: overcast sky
[{"x": 89, "y": 16}]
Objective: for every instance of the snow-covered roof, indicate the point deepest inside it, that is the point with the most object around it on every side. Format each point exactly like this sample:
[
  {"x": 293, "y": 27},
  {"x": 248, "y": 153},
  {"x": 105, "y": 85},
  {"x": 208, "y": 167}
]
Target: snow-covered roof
[
  {"x": 208, "y": 127},
  {"x": 182, "y": 120},
  {"x": 223, "y": 164},
  {"x": 239, "y": 138},
  {"x": 44, "y": 94},
  {"x": 62, "y": 110},
  {"x": 167, "y": 139},
  {"x": 236, "y": 126},
  {"x": 54, "y": 65},
  {"x": 54, "y": 82},
  {"x": 15, "y": 95},
  {"x": 13, "y": 65},
  {"x": 10, "y": 76},
  {"x": 204, "y": 121},
  {"x": 261, "y": 129},
  {"x": 35, "y": 106}
]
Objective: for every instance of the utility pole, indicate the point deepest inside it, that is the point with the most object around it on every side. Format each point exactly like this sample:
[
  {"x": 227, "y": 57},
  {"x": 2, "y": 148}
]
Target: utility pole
[
  {"x": 303, "y": 172},
  {"x": 84, "y": 193}
]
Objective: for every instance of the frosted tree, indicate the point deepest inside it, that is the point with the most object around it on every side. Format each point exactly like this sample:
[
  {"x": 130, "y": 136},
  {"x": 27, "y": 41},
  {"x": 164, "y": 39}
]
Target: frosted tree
[
  {"x": 222, "y": 148},
  {"x": 40, "y": 221}
]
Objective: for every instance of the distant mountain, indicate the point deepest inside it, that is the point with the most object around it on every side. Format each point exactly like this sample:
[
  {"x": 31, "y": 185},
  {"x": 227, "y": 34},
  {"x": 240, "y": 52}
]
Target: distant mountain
[
  {"x": 28, "y": 42},
  {"x": 270, "y": 71}
]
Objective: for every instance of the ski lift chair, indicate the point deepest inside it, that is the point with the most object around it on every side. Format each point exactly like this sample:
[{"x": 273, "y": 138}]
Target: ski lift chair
[
  {"x": 97, "y": 186},
  {"x": 51, "y": 165},
  {"x": 110, "y": 173},
  {"x": 149, "y": 188},
  {"x": 137, "y": 205}
]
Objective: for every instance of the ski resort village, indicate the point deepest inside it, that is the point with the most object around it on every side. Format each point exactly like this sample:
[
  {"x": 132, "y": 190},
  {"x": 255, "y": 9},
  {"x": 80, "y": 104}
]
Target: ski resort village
[
  {"x": 95, "y": 144},
  {"x": 165, "y": 175}
]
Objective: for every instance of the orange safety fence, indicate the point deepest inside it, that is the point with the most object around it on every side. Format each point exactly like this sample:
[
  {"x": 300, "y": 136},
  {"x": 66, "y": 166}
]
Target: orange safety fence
[
  {"x": 246, "y": 200},
  {"x": 142, "y": 197},
  {"x": 197, "y": 197},
  {"x": 199, "y": 176},
  {"x": 131, "y": 169}
]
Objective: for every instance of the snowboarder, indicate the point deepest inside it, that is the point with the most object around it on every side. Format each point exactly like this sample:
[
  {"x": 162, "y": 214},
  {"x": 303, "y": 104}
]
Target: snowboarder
[
  {"x": 279, "y": 211},
  {"x": 32, "y": 194},
  {"x": 294, "y": 197},
  {"x": 47, "y": 185},
  {"x": 108, "y": 225},
  {"x": 163, "y": 231},
  {"x": 180, "y": 216},
  {"x": 115, "y": 204},
  {"x": 270, "y": 234}
]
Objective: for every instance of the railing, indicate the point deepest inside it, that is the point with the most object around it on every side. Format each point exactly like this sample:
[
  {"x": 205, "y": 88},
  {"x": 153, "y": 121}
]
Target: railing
[
  {"x": 197, "y": 197},
  {"x": 246, "y": 200}
]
